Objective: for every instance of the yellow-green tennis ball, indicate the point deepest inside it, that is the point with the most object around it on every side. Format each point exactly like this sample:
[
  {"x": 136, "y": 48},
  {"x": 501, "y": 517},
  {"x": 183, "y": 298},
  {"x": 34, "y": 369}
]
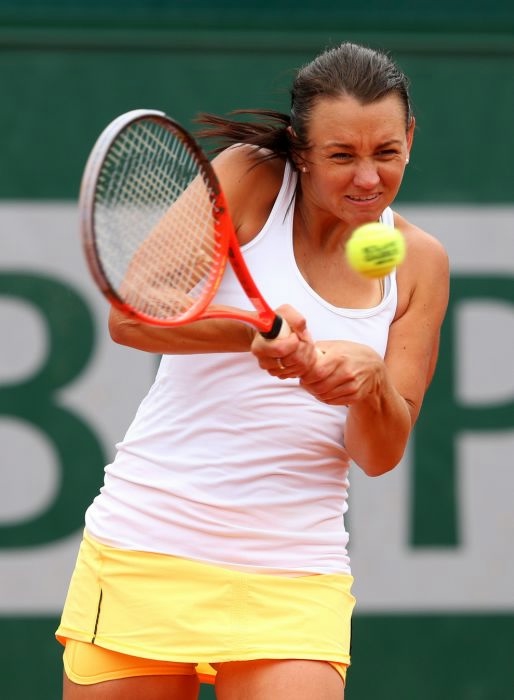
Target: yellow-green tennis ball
[{"x": 375, "y": 249}]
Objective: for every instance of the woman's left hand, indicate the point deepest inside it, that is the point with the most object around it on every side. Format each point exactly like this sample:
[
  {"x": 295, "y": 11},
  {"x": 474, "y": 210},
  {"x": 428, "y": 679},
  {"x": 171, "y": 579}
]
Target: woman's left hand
[{"x": 344, "y": 373}]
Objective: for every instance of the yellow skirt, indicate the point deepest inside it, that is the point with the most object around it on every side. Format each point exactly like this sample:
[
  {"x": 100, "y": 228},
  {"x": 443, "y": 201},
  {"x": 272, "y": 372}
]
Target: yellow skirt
[{"x": 155, "y": 606}]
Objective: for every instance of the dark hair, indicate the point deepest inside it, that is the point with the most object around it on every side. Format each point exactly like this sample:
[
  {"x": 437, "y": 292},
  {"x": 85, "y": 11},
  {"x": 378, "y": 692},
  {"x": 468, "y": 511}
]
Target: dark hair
[{"x": 349, "y": 69}]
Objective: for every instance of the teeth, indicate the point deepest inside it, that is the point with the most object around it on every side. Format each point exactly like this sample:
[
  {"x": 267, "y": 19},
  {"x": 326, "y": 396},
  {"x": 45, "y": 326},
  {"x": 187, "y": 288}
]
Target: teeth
[{"x": 362, "y": 199}]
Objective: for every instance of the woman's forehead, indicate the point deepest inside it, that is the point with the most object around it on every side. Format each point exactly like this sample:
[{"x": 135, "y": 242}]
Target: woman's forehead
[{"x": 343, "y": 118}]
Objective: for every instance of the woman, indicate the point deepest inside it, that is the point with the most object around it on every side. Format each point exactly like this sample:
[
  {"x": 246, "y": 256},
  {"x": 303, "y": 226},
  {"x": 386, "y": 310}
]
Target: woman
[{"x": 217, "y": 544}]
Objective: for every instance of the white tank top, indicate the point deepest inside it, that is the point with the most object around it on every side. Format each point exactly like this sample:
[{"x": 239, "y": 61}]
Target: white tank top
[{"x": 227, "y": 465}]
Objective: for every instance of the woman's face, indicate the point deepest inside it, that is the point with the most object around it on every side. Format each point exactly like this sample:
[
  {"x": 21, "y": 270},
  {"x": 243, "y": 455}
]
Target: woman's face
[{"x": 357, "y": 157}]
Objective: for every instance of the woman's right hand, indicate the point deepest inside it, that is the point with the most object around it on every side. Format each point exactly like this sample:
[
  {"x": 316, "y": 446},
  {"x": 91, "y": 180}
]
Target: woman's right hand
[{"x": 289, "y": 356}]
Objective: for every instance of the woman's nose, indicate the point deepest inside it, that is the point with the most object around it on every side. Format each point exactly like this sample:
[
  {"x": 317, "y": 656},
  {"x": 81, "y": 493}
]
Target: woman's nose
[{"x": 366, "y": 174}]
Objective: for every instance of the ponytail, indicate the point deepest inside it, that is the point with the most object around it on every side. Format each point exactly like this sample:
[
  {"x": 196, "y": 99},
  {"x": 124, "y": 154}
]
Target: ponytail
[{"x": 268, "y": 130}]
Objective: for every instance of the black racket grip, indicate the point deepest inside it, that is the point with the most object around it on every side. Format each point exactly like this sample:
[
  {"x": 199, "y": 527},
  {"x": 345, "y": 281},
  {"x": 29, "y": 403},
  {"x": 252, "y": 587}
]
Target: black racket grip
[{"x": 280, "y": 328}]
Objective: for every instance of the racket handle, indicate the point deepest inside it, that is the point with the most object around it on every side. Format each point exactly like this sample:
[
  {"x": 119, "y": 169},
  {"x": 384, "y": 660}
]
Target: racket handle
[{"x": 279, "y": 329}]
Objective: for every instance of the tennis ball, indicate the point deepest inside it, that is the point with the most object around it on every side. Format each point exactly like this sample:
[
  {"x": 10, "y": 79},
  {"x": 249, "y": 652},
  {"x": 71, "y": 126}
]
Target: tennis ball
[{"x": 375, "y": 249}]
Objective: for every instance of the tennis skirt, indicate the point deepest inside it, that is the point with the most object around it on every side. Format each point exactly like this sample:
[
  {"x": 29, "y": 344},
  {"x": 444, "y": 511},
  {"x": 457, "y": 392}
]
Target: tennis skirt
[{"x": 160, "y": 607}]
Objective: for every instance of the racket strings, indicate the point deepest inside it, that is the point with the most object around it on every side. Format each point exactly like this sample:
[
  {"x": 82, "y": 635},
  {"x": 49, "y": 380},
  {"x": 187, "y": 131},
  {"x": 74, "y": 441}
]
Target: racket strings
[{"x": 155, "y": 222}]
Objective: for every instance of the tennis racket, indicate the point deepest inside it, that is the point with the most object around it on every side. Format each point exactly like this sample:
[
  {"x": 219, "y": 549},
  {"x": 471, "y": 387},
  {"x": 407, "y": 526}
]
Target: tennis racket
[{"x": 156, "y": 230}]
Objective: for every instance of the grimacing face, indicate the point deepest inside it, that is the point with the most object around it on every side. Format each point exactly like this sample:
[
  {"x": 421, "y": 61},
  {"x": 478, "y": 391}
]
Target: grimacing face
[{"x": 356, "y": 157}]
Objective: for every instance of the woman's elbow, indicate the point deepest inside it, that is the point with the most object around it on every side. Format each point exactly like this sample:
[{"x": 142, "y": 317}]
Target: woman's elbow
[
  {"x": 383, "y": 456},
  {"x": 380, "y": 466},
  {"x": 120, "y": 327}
]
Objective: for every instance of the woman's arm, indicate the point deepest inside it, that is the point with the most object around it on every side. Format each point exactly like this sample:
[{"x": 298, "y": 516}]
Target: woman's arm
[
  {"x": 385, "y": 396},
  {"x": 213, "y": 335}
]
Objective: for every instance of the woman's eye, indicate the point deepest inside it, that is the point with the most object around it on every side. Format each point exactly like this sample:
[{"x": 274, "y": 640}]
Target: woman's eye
[
  {"x": 387, "y": 153},
  {"x": 341, "y": 156}
]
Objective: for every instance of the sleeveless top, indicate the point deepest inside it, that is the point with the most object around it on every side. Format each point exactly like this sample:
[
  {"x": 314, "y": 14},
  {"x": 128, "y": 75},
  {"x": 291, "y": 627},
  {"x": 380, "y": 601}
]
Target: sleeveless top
[{"x": 227, "y": 465}]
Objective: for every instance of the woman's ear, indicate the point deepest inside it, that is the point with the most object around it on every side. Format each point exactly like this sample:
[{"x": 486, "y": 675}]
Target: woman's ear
[{"x": 410, "y": 136}]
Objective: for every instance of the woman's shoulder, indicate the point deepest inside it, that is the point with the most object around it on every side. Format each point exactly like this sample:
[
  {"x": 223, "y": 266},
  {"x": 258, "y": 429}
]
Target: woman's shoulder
[
  {"x": 251, "y": 179},
  {"x": 420, "y": 242},
  {"x": 425, "y": 272}
]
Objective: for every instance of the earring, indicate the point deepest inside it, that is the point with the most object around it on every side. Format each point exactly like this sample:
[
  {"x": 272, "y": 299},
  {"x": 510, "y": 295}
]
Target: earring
[
  {"x": 304, "y": 169},
  {"x": 407, "y": 160}
]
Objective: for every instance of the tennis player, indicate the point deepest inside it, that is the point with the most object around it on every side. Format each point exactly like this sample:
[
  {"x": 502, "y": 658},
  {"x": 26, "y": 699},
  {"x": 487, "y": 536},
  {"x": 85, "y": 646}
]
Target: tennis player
[{"x": 216, "y": 548}]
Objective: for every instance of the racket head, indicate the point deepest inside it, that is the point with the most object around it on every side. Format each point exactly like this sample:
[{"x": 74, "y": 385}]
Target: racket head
[{"x": 154, "y": 223}]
